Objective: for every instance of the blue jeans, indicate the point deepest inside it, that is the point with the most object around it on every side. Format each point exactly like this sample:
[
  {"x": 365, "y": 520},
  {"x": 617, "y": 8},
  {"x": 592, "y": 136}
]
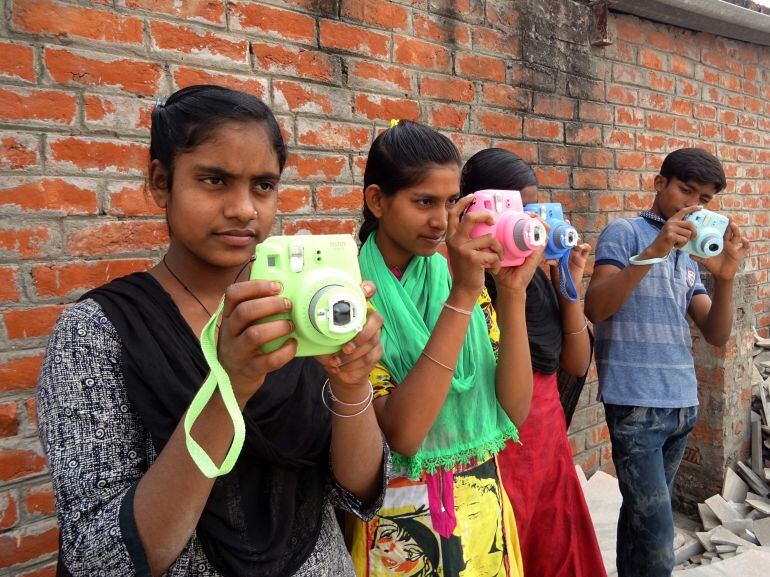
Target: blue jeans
[{"x": 647, "y": 447}]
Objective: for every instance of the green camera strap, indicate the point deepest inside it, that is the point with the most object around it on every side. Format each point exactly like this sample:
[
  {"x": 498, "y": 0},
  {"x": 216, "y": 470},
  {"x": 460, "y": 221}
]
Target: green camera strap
[{"x": 217, "y": 377}]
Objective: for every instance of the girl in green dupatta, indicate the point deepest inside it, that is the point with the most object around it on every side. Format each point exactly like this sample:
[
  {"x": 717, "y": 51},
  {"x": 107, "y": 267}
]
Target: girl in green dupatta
[{"x": 440, "y": 399}]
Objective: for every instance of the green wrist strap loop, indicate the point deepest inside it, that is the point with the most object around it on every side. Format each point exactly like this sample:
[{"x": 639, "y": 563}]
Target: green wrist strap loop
[
  {"x": 217, "y": 378},
  {"x": 642, "y": 262}
]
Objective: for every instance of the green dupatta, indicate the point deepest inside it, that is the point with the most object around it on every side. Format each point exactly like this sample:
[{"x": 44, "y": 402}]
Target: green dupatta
[{"x": 471, "y": 424}]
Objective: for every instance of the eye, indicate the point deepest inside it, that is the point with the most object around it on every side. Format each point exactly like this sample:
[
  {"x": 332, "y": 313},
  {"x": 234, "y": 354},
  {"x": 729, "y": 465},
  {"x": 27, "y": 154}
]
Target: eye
[
  {"x": 453, "y": 201},
  {"x": 265, "y": 186},
  {"x": 424, "y": 201},
  {"x": 213, "y": 180}
]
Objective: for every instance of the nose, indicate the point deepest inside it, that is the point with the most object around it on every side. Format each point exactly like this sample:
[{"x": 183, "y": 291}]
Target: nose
[
  {"x": 438, "y": 218},
  {"x": 239, "y": 205}
]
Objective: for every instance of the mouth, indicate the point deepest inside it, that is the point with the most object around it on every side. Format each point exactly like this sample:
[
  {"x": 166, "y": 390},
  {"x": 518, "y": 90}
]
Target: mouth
[{"x": 237, "y": 236}]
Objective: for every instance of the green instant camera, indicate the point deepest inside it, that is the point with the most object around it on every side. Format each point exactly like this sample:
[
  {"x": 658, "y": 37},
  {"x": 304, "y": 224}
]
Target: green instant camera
[{"x": 320, "y": 276}]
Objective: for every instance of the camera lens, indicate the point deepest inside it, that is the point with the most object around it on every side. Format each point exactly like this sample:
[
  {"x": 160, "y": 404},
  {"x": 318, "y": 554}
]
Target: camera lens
[
  {"x": 713, "y": 247},
  {"x": 341, "y": 313}
]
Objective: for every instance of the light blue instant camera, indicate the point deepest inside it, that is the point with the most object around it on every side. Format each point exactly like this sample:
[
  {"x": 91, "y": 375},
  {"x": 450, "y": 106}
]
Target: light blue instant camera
[
  {"x": 563, "y": 235},
  {"x": 709, "y": 240}
]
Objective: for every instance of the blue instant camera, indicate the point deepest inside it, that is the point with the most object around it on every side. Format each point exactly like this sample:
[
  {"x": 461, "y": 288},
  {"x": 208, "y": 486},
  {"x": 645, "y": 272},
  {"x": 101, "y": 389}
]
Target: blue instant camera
[
  {"x": 563, "y": 235},
  {"x": 709, "y": 240},
  {"x": 562, "y": 238}
]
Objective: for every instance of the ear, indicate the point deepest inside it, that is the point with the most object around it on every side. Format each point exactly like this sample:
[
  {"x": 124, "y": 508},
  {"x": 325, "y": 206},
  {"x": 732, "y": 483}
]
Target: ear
[
  {"x": 157, "y": 179},
  {"x": 660, "y": 182},
  {"x": 374, "y": 198}
]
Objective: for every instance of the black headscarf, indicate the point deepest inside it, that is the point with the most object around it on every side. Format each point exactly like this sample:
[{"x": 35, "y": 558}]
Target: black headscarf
[{"x": 264, "y": 517}]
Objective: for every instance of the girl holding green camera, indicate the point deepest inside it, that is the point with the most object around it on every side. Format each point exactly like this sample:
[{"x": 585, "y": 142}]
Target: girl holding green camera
[
  {"x": 453, "y": 385},
  {"x": 124, "y": 363}
]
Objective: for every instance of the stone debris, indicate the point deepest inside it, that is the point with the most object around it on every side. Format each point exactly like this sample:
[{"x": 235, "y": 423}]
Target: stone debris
[{"x": 735, "y": 540}]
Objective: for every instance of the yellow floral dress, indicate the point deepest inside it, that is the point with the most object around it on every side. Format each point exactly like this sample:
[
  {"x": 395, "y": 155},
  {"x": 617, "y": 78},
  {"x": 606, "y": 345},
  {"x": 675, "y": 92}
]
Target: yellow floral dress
[{"x": 401, "y": 540}]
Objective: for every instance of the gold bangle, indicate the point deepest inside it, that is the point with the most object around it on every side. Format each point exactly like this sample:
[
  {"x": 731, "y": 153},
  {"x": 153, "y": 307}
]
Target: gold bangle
[
  {"x": 585, "y": 326},
  {"x": 439, "y": 363}
]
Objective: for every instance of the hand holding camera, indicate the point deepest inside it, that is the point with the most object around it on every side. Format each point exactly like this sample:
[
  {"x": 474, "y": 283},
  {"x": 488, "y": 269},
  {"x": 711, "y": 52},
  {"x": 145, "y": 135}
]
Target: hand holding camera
[
  {"x": 675, "y": 234},
  {"x": 734, "y": 248}
]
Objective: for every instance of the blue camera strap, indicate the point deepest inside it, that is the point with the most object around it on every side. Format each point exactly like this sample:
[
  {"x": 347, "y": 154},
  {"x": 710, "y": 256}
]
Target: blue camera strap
[
  {"x": 217, "y": 377},
  {"x": 566, "y": 284}
]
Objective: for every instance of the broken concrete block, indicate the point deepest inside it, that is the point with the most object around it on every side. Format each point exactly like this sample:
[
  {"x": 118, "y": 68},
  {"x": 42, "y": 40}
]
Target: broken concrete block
[
  {"x": 762, "y": 531},
  {"x": 722, "y": 509},
  {"x": 741, "y": 508},
  {"x": 727, "y": 555},
  {"x": 753, "y": 481},
  {"x": 763, "y": 506},
  {"x": 707, "y": 516},
  {"x": 725, "y": 548},
  {"x": 738, "y": 527},
  {"x": 705, "y": 539},
  {"x": 581, "y": 476},
  {"x": 734, "y": 488},
  {"x": 756, "y": 445},
  {"x": 722, "y": 536},
  {"x": 691, "y": 546}
]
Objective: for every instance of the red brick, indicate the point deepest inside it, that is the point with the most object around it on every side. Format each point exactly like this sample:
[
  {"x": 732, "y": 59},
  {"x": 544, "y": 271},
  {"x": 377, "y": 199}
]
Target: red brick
[
  {"x": 91, "y": 69},
  {"x": 438, "y": 29},
  {"x": 294, "y": 199},
  {"x": 376, "y": 107},
  {"x": 37, "y": 322},
  {"x": 596, "y": 158},
  {"x": 540, "y": 129},
  {"x": 551, "y": 177},
  {"x": 28, "y": 543},
  {"x": 39, "y": 501},
  {"x": 9, "y": 289},
  {"x": 653, "y": 100},
  {"x": 421, "y": 54},
  {"x": 30, "y": 105},
  {"x": 704, "y": 111},
  {"x": 19, "y": 151},
  {"x": 67, "y": 279},
  {"x": 117, "y": 112},
  {"x": 341, "y": 36},
  {"x": 116, "y": 237},
  {"x": 377, "y": 12},
  {"x": 9, "y": 427},
  {"x": 466, "y": 9},
  {"x": 627, "y": 74},
  {"x": 131, "y": 199},
  {"x": 469, "y": 144},
  {"x": 662, "y": 82},
  {"x": 448, "y": 116},
  {"x": 379, "y": 76},
  {"x": 448, "y": 88},
  {"x": 293, "y": 61},
  {"x": 19, "y": 372},
  {"x": 662, "y": 40},
  {"x": 320, "y": 226},
  {"x": 528, "y": 151},
  {"x": 628, "y": 116},
  {"x": 623, "y": 181},
  {"x": 347, "y": 198},
  {"x": 498, "y": 123},
  {"x": 651, "y": 142},
  {"x": 212, "y": 11},
  {"x": 553, "y": 106},
  {"x": 507, "y": 96},
  {"x": 15, "y": 464},
  {"x": 502, "y": 13},
  {"x": 496, "y": 42},
  {"x": 661, "y": 122},
  {"x": 629, "y": 30},
  {"x": 639, "y": 200},
  {"x": 255, "y": 86},
  {"x": 327, "y": 134},
  {"x": 591, "y": 112},
  {"x": 685, "y": 126},
  {"x": 17, "y": 62},
  {"x": 49, "y": 194},
  {"x": 43, "y": 17},
  {"x": 578, "y": 133},
  {"x": 687, "y": 88},
  {"x": 551, "y": 154},
  {"x": 681, "y": 66},
  {"x": 622, "y": 95},
  {"x": 97, "y": 156},
  {"x": 198, "y": 42},
  {"x": 25, "y": 243},
  {"x": 479, "y": 66},
  {"x": 589, "y": 178},
  {"x": 652, "y": 59},
  {"x": 316, "y": 167},
  {"x": 629, "y": 160},
  {"x": 274, "y": 22}
]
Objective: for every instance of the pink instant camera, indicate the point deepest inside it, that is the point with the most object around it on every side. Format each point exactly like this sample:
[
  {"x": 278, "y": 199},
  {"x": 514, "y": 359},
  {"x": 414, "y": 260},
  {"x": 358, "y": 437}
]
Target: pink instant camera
[{"x": 518, "y": 232}]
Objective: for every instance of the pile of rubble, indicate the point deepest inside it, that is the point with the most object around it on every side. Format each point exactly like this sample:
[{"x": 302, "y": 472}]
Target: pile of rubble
[{"x": 738, "y": 520}]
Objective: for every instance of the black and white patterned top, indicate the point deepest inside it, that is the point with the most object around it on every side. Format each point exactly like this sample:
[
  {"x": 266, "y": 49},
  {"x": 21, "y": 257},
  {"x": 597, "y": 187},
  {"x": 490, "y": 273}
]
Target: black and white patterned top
[{"x": 98, "y": 450}]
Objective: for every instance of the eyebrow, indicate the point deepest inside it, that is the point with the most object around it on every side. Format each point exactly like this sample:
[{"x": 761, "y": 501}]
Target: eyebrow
[{"x": 216, "y": 170}]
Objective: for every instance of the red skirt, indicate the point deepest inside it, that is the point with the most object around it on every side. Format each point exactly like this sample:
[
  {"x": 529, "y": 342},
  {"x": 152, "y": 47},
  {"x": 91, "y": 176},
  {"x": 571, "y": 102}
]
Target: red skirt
[{"x": 555, "y": 531}]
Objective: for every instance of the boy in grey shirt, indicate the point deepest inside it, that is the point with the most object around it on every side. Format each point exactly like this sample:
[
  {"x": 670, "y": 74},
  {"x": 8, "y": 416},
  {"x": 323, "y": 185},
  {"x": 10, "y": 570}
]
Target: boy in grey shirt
[{"x": 642, "y": 288}]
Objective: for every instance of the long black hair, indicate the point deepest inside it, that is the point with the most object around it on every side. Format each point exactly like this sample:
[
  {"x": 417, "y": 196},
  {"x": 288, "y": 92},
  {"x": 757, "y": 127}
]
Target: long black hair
[
  {"x": 399, "y": 158},
  {"x": 496, "y": 168},
  {"x": 192, "y": 114}
]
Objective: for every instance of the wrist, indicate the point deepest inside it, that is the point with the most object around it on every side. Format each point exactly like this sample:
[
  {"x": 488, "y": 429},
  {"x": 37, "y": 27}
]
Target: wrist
[
  {"x": 347, "y": 392},
  {"x": 653, "y": 251},
  {"x": 462, "y": 298}
]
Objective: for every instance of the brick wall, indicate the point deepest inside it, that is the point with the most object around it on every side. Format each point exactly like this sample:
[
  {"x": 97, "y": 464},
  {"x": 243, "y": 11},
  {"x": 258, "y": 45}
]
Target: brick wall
[{"x": 77, "y": 82}]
